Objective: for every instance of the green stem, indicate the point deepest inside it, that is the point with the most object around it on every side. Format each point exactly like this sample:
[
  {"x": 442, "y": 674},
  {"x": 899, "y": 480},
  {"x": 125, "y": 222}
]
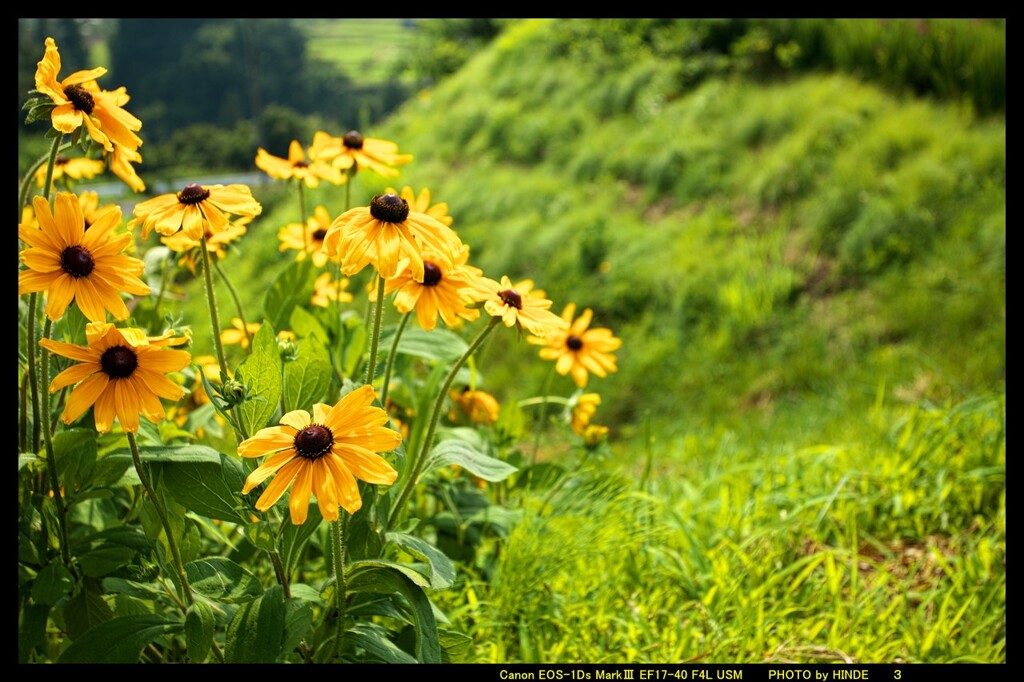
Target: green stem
[
  {"x": 30, "y": 176},
  {"x": 33, "y": 379},
  {"x": 435, "y": 415},
  {"x": 302, "y": 212},
  {"x": 171, "y": 542},
  {"x": 163, "y": 286},
  {"x": 234, "y": 297},
  {"x": 348, "y": 194},
  {"x": 340, "y": 587},
  {"x": 48, "y": 183},
  {"x": 375, "y": 339},
  {"x": 543, "y": 414},
  {"x": 23, "y": 420},
  {"x": 51, "y": 462},
  {"x": 212, "y": 301},
  {"x": 391, "y": 359},
  {"x": 282, "y": 576},
  {"x": 537, "y": 400}
]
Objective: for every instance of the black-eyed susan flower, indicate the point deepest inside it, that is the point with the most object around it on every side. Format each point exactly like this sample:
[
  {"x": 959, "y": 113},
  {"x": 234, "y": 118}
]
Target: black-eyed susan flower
[
  {"x": 121, "y": 160},
  {"x": 216, "y": 243},
  {"x": 352, "y": 152},
  {"x": 327, "y": 289},
  {"x": 80, "y": 102},
  {"x": 323, "y": 454},
  {"x": 74, "y": 168},
  {"x": 236, "y": 334},
  {"x": 583, "y": 410},
  {"x": 307, "y": 239},
  {"x": 579, "y": 350},
  {"x": 421, "y": 203},
  {"x": 515, "y": 307},
  {"x": 297, "y": 166},
  {"x": 594, "y": 435},
  {"x": 385, "y": 232},
  {"x": 121, "y": 373},
  {"x": 194, "y": 209},
  {"x": 93, "y": 210},
  {"x": 476, "y": 407},
  {"x": 71, "y": 263},
  {"x": 437, "y": 294}
]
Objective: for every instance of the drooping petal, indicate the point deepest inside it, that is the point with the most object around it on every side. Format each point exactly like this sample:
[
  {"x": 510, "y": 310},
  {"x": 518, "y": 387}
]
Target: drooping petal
[{"x": 280, "y": 484}]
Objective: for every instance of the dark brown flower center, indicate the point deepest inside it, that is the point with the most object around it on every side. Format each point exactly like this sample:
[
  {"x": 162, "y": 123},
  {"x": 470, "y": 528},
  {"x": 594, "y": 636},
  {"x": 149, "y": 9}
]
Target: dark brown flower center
[
  {"x": 300, "y": 164},
  {"x": 61, "y": 160},
  {"x": 511, "y": 297},
  {"x": 431, "y": 274},
  {"x": 193, "y": 194},
  {"x": 574, "y": 342},
  {"x": 77, "y": 261},
  {"x": 314, "y": 441},
  {"x": 389, "y": 208},
  {"x": 319, "y": 235},
  {"x": 119, "y": 362},
  {"x": 80, "y": 98},
  {"x": 353, "y": 139}
]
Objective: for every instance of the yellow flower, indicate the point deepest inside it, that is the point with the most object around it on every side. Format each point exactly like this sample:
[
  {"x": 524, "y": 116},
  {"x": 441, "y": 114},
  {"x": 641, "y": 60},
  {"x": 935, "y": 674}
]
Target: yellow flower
[
  {"x": 308, "y": 240},
  {"x": 76, "y": 169},
  {"x": 583, "y": 410},
  {"x": 325, "y": 290},
  {"x": 80, "y": 102},
  {"x": 421, "y": 203},
  {"x": 194, "y": 209},
  {"x": 324, "y": 454},
  {"x": 594, "y": 435},
  {"x": 479, "y": 407},
  {"x": 237, "y": 333},
  {"x": 438, "y": 293},
  {"x": 579, "y": 350},
  {"x": 121, "y": 372},
  {"x": 216, "y": 243},
  {"x": 515, "y": 307},
  {"x": 92, "y": 211},
  {"x": 121, "y": 160},
  {"x": 352, "y": 152},
  {"x": 74, "y": 264},
  {"x": 385, "y": 232},
  {"x": 296, "y": 166}
]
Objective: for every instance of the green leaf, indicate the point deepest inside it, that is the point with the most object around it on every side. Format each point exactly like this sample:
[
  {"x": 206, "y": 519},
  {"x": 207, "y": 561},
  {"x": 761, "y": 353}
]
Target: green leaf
[
  {"x": 28, "y": 458},
  {"x": 261, "y": 373},
  {"x": 39, "y": 111},
  {"x": 211, "y": 489},
  {"x": 477, "y": 463},
  {"x": 71, "y": 327},
  {"x": 354, "y": 344},
  {"x": 171, "y": 453},
  {"x": 74, "y": 451},
  {"x": 106, "y": 559},
  {"x": 308, "y": 376},
  {"x": 442, "y": 572},
  {"x": 120, "y": 640},
  {"x": 52, "y": 583},
  {"x": 439, "y": 344},
  {"x": 297, "y": 621},
  {"x": 84, "y": 612},
  {"x": 32, "y": 630},
  {"x": 357, "y": 567},
  {"x": 305, "y": 592},
  {"x": 221, "y": 579},
  {"x": 148, "y": 591},
  {"x": 256, "y": 633},
  {"x": 304, "y": 324},
  {"x": 389, "y": 579},
  {"x": 292, "y": 288},
  {"x": 294, "y": 538},
  {"x": 127, "y": 536},
  {"x": 373, "y": 638},
  {"x": 199, "y": 624},
  {"x": 454, "y": 645}
]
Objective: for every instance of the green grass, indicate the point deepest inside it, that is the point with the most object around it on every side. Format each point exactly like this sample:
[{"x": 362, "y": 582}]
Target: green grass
[{"x": 365, "y": 49}]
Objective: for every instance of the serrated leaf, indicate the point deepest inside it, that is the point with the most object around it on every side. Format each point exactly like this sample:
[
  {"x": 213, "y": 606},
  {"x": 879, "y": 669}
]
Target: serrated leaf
[
  {"x": 438, "y": 344},
  {"x": 450, "y": 452},
  {"x": 442, "y": 572},
  {"x": 304, "y": 324},
  {"x": 374, "y": 640},
  {"x": 120, "y": 640},
  {"x": 211, "y": 489},
  {"x": 292, "y": 288},
  {"x": 389, "y": 579},
  {"x": 52, "y": 583},
  {"x": 221, "y": 579},
  {"x": 74, "y": 450},
  {"x": 256, "y": 633},
  {"x": 199, "y": 625},
  {"x": 261, "y": 373},
  {"x": 84, "y": 612},
  {"x": 308, "y": 376}
]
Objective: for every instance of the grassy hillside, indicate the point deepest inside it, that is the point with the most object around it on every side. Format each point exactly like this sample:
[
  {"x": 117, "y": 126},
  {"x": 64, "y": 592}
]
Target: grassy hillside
[{"x": 756, "y": 244}]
